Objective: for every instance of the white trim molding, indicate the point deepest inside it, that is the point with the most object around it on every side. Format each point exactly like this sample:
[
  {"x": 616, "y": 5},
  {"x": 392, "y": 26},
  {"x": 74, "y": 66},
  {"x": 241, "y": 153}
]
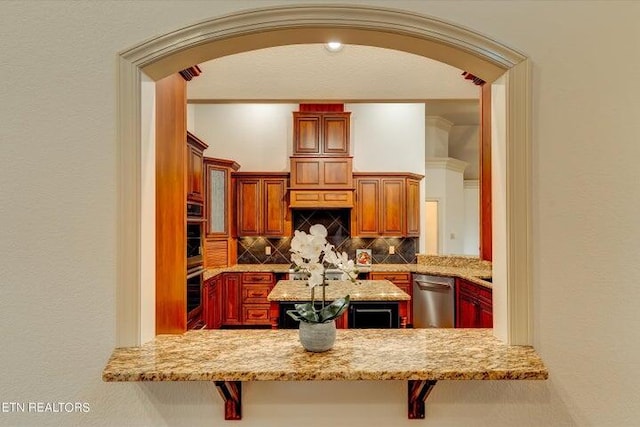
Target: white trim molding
[
  {"x": 275, "y": 26},
  {"x": 439, "y": 122},
  {"x": 471, "y": 184},
  {"x": 448, "y": 163}
]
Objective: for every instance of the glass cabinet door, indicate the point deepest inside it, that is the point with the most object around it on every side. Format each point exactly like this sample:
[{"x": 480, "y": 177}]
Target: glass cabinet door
[{"x": 217, "y": 201}]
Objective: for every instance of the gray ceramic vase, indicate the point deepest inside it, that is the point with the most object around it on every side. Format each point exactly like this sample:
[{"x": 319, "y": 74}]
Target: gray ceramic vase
[{"x": 318, "y": 337}]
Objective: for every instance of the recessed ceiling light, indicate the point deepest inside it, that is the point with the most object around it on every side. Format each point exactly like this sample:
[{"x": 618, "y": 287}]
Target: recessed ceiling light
[{"x": 333, "y": 46}]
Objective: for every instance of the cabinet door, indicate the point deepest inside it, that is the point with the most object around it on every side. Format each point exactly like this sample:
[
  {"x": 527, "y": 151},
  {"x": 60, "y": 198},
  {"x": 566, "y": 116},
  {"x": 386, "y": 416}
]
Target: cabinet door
[
  {"x": 249, "y": 207},
  {"x": 217, "y": 306},
  {"x": 413, "y": 208},
  {"x": 486, "y": 315},
  {"x": 306, "y": 133},
  {"x": 367, "y": 207},
  {"x": 274, "y": 207},
  {"x": 232, "y": 299},
  {"x": 393, "y": 207},
  {"x": 194, "y": 175},
  {"x": 207, "y": 309},
  {"x": 335, "y": 134},
  {"x": 217, "y": 201},
  {"x": 466, "y": 311}
]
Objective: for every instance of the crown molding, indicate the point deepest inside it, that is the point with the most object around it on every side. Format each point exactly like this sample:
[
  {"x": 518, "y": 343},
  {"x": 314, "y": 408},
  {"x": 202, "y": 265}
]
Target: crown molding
[
  {"x": 439, "y": 122},
  {"x": 471, "y": 184},
  {"x": 448, "y": 163}
]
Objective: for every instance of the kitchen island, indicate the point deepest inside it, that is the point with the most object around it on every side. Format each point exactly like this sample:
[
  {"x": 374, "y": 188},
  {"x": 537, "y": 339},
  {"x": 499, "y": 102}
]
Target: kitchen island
[{"x": 382, "y": 292}]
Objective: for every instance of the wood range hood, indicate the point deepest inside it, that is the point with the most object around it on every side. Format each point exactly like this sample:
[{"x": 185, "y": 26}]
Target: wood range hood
[{"x": 321, "y": 164}]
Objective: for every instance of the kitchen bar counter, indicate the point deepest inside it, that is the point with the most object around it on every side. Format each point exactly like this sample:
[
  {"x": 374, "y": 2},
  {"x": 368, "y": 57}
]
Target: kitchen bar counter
[
  {"x": 362, "y": 290},
  {"x": 419, "y": 356},
  {"x": 359, "y": 354}
]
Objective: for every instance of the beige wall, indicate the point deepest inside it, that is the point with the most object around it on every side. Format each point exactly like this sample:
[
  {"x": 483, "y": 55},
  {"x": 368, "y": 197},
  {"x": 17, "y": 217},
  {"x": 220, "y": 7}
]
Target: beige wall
[{"x": 58, "y": 185}]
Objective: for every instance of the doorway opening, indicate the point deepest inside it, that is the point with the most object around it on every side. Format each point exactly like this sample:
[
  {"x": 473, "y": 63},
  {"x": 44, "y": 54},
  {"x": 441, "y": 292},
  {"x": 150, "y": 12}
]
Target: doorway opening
[{"x": 370, "y": 26}]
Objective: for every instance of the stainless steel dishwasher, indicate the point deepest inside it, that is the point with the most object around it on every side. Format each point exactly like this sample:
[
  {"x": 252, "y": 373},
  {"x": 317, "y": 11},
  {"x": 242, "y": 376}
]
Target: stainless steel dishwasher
[{"x": 433, "y": 301}]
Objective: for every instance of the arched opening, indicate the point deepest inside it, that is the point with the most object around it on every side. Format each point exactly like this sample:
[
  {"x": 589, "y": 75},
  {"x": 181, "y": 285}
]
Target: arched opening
[{"x": 368, "y": 26}]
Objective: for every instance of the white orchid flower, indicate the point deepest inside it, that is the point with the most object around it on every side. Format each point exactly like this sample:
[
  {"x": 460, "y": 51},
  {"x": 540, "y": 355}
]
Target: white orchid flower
[
  {"x": 316, "y": 277},
  {"x": 318, "y": 230}
]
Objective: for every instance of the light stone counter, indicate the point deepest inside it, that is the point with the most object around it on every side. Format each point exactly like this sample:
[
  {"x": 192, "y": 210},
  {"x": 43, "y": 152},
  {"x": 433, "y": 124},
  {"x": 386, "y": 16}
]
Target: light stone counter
[
  {"x": 473, "y": 272},
  {"x": 362, "y": 290},
  {"x": 359, "y": 354}
]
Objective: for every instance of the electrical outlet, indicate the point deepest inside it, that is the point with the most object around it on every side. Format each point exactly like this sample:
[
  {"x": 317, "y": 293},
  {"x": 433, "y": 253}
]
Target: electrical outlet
[
  {"x": 267, "y": 250},
  {"x": 392, "y": 250}
]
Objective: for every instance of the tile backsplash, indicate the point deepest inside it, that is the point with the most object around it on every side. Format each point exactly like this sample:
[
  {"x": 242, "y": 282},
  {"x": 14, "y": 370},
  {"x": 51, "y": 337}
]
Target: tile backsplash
[{"x": 251, "y": 250}]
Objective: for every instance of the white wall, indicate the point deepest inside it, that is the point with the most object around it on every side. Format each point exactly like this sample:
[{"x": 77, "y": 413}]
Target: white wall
[
  {"x": 257, "y": 136},
  {"x": 387, "y": 137},
  {"x": 471, "y": 194},
  {"x": 384, "y": 137},
  {"x": 57, "y": 241},
  {"x": 464, "y": 144}
]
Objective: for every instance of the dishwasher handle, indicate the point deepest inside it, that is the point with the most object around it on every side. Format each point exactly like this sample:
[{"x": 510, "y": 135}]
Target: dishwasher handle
[{"x": 430, "y": 286}]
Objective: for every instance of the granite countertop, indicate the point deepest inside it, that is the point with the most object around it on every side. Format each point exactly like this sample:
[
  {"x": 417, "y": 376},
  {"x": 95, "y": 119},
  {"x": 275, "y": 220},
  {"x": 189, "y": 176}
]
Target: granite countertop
[
  {"x": 359, "y": 354},
  {"x": 473, "y": 272},
  {"x": 362, "y": 290}
]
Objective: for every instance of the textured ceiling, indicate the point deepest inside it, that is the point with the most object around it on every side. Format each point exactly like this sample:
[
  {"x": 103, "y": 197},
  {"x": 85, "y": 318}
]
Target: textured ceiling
[{"x": 309, "y": 72}]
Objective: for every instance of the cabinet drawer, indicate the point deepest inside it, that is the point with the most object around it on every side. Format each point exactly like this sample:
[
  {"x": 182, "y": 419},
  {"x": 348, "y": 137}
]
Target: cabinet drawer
[
  {"x": 255, "y": 314},
  {"x": 255, "y": 293},
  {"x": 394, "y": 277},
  {"x": 257, "y": 278}
]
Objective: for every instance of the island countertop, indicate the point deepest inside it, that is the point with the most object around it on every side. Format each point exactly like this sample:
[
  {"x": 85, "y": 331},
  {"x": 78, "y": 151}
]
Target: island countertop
[
  {"x": 359, "y": 354},
  {"x": 361, "y": 290}
]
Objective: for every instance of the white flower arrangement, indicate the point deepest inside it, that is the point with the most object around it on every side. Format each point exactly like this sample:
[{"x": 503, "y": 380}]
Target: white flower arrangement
[{"x": 311, "y": 253}]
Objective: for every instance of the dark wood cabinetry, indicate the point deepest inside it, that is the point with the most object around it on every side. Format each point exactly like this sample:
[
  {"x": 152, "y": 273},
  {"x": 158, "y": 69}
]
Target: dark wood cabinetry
[
  {"x": 195, "y": 168},
  {"x": 255, "y": 306},
  {"x": 262, "y": 205},
  {"x": 322, "y": 134},
  {"x": 387, "y": 205},
  {"x": 212, "y": 296},
  {"x": 237, "y": 299},
  {"x": 219, "y": 244},
  {"x": 321, "y": 167},
  {"x": 474, "y": 305},
  {"x": 401, "y": 280},
  {"x": 231, "y": 299}
]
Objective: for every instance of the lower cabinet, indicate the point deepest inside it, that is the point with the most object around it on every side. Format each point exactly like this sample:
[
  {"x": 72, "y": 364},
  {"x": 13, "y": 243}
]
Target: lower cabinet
[
  {"x": 231, "y": 299},
  {"x": 255, "y": 306},
  {"x": 401, "y": 280},
  {"x": 212, "y": 302},
  {"x": 474, "y": 305}
]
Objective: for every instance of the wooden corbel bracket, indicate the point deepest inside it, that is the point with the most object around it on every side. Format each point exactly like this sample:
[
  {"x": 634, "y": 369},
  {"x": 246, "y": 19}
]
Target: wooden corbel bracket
[{"x": 418, "y": 391}]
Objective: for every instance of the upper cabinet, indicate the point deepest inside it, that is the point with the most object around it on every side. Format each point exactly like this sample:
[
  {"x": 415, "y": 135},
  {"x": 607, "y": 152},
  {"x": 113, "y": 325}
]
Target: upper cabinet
[
  {"x": 321, "y": 134},
  {"x": 261, "y": 201},
  {"x": 218, "y": 196},
  {"x": 195, "y": 186},
  {"x": 321, "y": 167},
  {"x": 386, "y": 205}
]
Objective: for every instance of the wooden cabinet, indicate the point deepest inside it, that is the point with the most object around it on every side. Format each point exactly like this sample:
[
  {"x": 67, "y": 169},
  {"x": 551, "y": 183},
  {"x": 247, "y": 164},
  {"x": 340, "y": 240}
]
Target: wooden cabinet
[
  {"x": 262, "y": 205},
  {"x": 474, "y": 305},
  {"x": 401, "y": 280},
  {"x": 255, "y": 306},
  {"x": 212, "y": 297},
  {"x": 322, "y": 134},
  {"x": 387, "y": 205},
  {"x": 413, "y": 207},
  {"x": 231, "y": 299},
  {"x": 218, "y": 195},
  {"x": 321, "y": 167},
  {"x": 195, "y": 167},
  {"x": 219, "y": 245}
]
